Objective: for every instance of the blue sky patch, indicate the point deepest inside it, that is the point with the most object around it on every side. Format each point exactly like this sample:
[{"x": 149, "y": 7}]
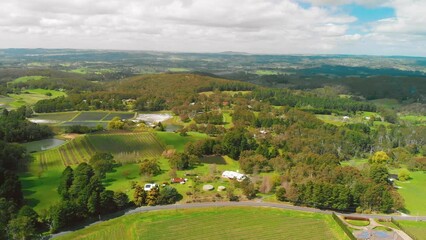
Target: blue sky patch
[{"x": 365, "y": 14}]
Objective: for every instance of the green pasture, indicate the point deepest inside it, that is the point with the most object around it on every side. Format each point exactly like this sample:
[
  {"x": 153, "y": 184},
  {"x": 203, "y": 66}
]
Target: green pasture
[
  {"x": 359, "y": 117},
  {"x": 28, "y": 97},
  {"x": 357, "y": 162},
  {"x": 266, "y": 72},
  {"x": 176, "y": 141},
  {"x": 415, "y": 120},
  {"x": 40, "y": 187},
  {"x": 387, "y": 103},
  {"x": 359, "y": 223},
  {"x": 215, "y": 223},
  {"x": 414, "y": 193},
  {"x": 179, "y": 69},
  {"x": 232, "y": 93},
  {"x": 27, "y": 78},
  {"x": 418, "y": 229},
  {"x": 227, "y": 119}
]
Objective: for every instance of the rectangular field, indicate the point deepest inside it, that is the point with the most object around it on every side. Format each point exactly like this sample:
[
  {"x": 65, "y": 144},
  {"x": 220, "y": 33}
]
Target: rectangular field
[
  {"x": 90, "y": 116},
  {"x": 84, "y": 123},
  {"x": 55, "y": 117},
  {"x": 121, "y": 115},
  {"x": 215, "y": 223}
]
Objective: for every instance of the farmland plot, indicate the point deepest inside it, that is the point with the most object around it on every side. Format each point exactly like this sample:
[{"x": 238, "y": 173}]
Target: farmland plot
[{"x": 127, "y": 147}]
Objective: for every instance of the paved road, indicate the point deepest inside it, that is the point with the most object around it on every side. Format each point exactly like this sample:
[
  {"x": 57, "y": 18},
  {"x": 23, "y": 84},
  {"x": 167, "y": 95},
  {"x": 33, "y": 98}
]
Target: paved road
[{"x": 256, "y": 204}]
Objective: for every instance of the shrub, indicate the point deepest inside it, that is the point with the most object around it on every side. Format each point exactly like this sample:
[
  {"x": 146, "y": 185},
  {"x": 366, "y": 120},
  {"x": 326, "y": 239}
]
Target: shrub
[{"x": 281, "y": 194}]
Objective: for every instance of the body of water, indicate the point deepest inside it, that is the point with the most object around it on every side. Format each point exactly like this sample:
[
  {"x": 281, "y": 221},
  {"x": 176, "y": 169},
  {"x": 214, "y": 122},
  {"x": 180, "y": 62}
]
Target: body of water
[{"x": 42, "y": 145}]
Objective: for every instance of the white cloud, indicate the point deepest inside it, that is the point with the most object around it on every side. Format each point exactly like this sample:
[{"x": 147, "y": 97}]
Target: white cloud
[
  {"x": 260, "y": 26},
  {"x": 275, "y": 26},
  {"x": 368, "y": 3}
]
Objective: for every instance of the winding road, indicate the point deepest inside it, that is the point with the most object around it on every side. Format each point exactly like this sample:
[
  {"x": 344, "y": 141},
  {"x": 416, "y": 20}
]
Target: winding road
[{"x": 254, "y": 204}]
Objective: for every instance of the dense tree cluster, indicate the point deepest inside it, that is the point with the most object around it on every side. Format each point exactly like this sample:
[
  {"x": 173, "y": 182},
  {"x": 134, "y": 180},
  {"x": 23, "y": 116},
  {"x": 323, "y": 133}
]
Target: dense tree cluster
[
  {"x": 155, "y": 196},
  {"x": 83, "y": 196},
  {"x": 281, "y": 97},
  {"x": 215, "y": 118},
  {"x": 17, "y": 221},
  {"x": 14, "y": 127}
]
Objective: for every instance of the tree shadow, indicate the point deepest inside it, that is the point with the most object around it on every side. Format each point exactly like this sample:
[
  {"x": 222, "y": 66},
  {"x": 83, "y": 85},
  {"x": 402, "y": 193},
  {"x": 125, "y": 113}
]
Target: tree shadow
[
  {"x": 406, "y": 211},
  {"x": 32, "y": 202},
  {"x": 108, "y": 182},
  {"x": 219, "y": 160}
]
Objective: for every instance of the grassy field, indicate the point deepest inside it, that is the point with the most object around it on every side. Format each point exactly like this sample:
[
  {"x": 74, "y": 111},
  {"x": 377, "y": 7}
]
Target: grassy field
[
  {"x": 360, "y": 117},
  {"x": 387, "y": 103},
  {"x": 415, "y": 120},
  {"x": 359, "y": 163},
  {"x": 359, "y": 223},
  {"x": 27, "y": 78},
  {"x": 266, "y": 72},
  {"x": 418, "y": 229},
  {"x": 179, "y": 70},
  {"x": 215, "y": 223},
  {"x": 174, "y": 140},
  {"x": 28, "y": 97},
  {"x": 232, "y": 93},
  {"x": 40, "y": 188},
  {"x": 414, "y": 193}
]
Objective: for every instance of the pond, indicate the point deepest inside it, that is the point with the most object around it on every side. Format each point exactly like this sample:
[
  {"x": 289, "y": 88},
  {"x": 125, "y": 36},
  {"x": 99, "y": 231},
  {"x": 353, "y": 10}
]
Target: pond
[{"x": 42, "y": 145}]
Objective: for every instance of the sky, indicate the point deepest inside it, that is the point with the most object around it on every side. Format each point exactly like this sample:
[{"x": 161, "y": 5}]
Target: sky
[{"x": 372, "y": 27}]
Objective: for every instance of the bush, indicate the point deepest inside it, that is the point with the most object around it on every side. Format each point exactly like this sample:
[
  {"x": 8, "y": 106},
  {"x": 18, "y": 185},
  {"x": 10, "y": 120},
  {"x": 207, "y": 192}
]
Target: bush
[
  {"x": 281, "y": 194},
  {"x": 168, "y": 195},
  {"x": 149, "y": 167},
  {"x": 404, "y": 175}
]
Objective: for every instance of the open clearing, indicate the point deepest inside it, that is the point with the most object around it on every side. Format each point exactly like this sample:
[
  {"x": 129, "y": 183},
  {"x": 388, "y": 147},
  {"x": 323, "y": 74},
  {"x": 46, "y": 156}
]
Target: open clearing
[
  {"x": 415, "y": 120},
  {"x": 215, "y": 223},
  {"x": 28, "y": 97},
  {"x": 418, "y": 229},
  {"x": 27, "y": 78},
  {"x": 414, "y": 193},
  {"x": 173, "y": 140}
]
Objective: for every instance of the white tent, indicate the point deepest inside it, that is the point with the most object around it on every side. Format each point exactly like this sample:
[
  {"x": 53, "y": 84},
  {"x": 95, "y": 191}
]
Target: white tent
[{"x": 233, "y": 175}]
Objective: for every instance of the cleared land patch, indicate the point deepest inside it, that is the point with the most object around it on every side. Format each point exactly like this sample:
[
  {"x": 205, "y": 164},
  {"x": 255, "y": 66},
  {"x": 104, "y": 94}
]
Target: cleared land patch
[
  {"x": 414, "y": 193},
  {"x": 27, "y": 78},
  {"x": 215, "y": 223},
  {"x": 29, "y": 97}
]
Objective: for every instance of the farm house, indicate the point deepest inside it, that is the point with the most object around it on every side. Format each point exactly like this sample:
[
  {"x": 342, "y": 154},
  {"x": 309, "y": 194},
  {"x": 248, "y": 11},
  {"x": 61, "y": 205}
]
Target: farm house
[{"x": 234, "y": 175}]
